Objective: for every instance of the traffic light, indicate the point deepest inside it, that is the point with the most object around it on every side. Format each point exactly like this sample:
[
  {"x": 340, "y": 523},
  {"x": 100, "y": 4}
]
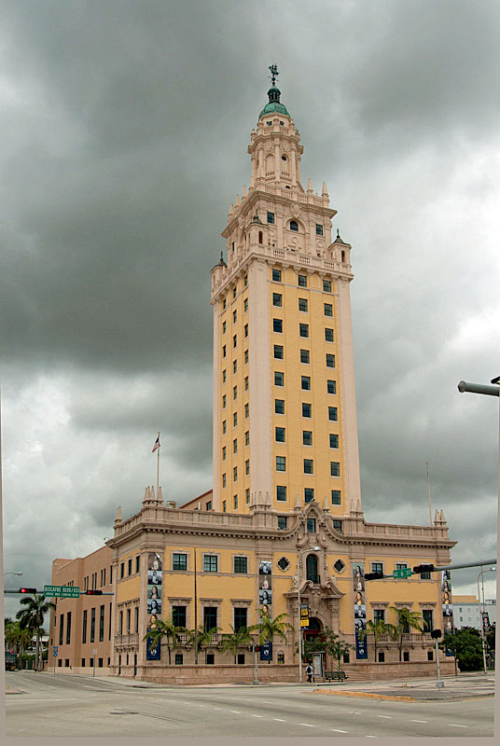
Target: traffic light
[
  {"x": 435, "y": 634},
  {"x": 91, "y": 593},
  {"x": 257, "y": 648},
  {"x": 424, "y": 568},
  {"x": 28, "y": 590},
  {"x": 373, "y": 575}
]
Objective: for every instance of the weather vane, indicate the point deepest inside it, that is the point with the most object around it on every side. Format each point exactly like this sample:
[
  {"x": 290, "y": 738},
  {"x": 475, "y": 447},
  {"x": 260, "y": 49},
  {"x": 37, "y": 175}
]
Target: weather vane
[{"x": 274, "y": 73}]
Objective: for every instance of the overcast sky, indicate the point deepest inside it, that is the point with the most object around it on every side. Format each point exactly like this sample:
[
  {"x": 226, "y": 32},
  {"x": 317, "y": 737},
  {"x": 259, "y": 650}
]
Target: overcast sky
[{"x": 124, "y": 131}]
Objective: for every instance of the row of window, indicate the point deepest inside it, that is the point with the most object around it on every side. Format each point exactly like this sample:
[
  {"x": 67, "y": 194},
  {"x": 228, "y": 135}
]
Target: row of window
[
  {"x": 303, "y": 304},
  {"x": 303, "y": 332},
  {"x": 235, "y": 290},
  {"x": 281, "y": 494},
  {"x": 308, "y": 466},
  {"x": 305, "y": 382},
  {"x": 293, "y": 225},
  {"x": 65, "y": 627},
  {"x": 235, "y": 500},
  {"x": 235, "y": 445},
  {"x": 90, "y": 581},
  {"x": 279, "y": 408},
  {"x": 235, "y": 318},
  {"x": 130, "y": 565},
  {"x": 301, "y": 280},
  {"x": 235, "y": 472},
  {"x": 307, "y": 437},
  {"x": 378, "y": 567},
  {"x": 99, "y": 662}
]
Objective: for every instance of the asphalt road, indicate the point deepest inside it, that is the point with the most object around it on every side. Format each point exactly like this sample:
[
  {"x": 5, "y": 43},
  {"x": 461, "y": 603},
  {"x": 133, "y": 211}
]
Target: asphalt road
[{"x": 63, "y": 705}]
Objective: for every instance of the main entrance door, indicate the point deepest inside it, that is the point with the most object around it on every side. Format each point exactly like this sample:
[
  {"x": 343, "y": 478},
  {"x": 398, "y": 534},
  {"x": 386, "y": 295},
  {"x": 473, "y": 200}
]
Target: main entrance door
[{"x": 314, "y": 629}]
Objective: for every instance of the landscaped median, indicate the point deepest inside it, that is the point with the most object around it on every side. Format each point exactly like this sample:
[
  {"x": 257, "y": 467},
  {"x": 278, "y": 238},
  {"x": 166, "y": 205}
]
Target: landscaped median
[{"x": 367, "y": 695}]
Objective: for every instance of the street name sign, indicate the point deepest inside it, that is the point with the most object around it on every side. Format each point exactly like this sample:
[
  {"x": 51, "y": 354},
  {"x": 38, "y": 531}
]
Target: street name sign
[
  {"x": 61, "y": 591},
  {"x": 403, "y": 572}
]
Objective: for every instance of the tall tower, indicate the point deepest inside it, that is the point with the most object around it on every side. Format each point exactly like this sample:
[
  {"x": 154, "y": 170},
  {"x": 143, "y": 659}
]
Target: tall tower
[{"x": 284, "y": 427}]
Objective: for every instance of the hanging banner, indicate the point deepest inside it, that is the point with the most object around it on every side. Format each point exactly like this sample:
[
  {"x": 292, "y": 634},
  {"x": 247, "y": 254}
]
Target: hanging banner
[
  {"x": 266, "y": 651},
  {"x": 447, "y": 606},
  {"x": 359, "y": 609},
  {"x": 265, "y": 587},
  {"x": 153, "y": 654},
  {"x": 154, "y": 600}
]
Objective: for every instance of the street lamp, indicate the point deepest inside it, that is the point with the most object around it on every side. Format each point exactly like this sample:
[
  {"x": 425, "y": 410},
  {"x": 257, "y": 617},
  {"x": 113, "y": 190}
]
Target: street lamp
[
  {"x": 299, "y": 568},
  {"x": 481, "y": 610},
  {"x": 12, "y": 573}
]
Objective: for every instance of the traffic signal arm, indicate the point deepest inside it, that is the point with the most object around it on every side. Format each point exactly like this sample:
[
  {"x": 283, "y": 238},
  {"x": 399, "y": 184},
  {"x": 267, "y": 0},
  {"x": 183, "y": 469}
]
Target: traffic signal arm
[
  {"x": 375, "y": 575},
  {"x": 423, "y": 568}
]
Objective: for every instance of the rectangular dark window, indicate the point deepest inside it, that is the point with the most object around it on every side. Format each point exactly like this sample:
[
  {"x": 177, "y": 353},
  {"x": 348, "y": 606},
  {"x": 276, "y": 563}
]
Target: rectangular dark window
[
  {"x": 276, "y": 275},
  {"x": 308, "y": 494},
  {"x": 308, "y": 466},
  {"x": 241, "y": 659},
  {"x": 278, "y": 326},
  {"x": 330, "y": 361},
  {"x": 235, "y": 502},
  {"x": 270, "y": 218},
  {"x": 378, "y": 615},
  {"x": 337, "y": 525},
  {"x": 92, "y": 625},
  {"x": 281, "y": 493},
  {"x": 68, "y": 628},
  {"x": 280, "y": 434},
  {"x": 425, "y": 575},
  {"x": 179, "y": 561},
  {"x": 428, "y": 623},
  {"x": 210, "y": 563},
  {"x": 209, "y": 617},
  {"x": 306, "y": 410},
  {"x": 406, "y": 656},
  {"x": 101, "y": 624},
  {"x": 307, "y": 438},
  {"x": 279, "y": 378},
  {"x": 328, "y": 309},
  {"x": 179, "y": 659},
  {"x": 137, "y": 564},
  {"x": 136, "y": 620},
  {"x": 282, "y": 522},
  {"x": 327, "y": 286},
  {"x": 109, "y": 628},
  {"x": 302, "y": 304},
  {"x": 122, "y": 569},
  {"x": 304, "y": 356},
  {"x": 335, "y": 468},
  {"x": 247, "y": 438},
  {"x": 278, "y": 352},
  {"x": 210, "y": 660},
  {"x": 377, "y": 567},
  {"x": 302, "y": 280},
  {"x": 240, "y": 618},
  {"x": 279, "y": 406},
  {"x": 129, "y": 566},
  {"x": 319, "y": 229},
  {"x": 84, "y": 627},
  {"x": 311, "y": 525},
  {"x": 332, "y": 414},
  {"x": 304, "y": 330},
  {"x": 329, "y": 335},
  {"x": 305, "y": 383},
  {"x": 331, "y": 387},
  {"x": 277, "y": 299},
  {"x": 280, "y": 463},
  {"x": 240, "y": 565},
  {"x": 336, "y": 500},
  {"x": 334, "y": 440},
  {"x": 61, "y": 629},
  {"x": 179, "y": 616}
]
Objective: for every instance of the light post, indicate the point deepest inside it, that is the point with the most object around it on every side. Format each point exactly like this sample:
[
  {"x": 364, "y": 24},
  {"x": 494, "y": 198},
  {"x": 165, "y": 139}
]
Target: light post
[
  {"x": 12, "y": 573},
  {"x": 481, "y": 610},
  {"x": 299, "y": 569}
]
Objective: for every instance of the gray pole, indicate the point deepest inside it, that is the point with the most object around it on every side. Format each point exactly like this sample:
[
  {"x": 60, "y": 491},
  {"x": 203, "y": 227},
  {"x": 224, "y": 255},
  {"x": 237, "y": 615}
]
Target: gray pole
[
  {"x": 298, "y": 613},
  {"x": 439, "y": 683},
  {"x": 195, "y": 614}
]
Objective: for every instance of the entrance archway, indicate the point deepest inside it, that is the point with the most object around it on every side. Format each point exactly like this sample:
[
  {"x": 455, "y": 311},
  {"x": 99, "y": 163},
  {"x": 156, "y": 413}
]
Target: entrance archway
[{"x": 314, "y": 629}]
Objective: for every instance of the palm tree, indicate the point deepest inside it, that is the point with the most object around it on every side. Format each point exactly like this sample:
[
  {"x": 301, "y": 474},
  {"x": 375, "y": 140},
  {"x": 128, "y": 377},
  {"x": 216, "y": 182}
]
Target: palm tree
[
  {"x": 376, "y": 629},
  {"x": 167, "y": 630},
  {"x": 19, "y": 638},
  {"x": 204, "y": 635},
  {"x": 268, "y": 628},
  {"x": 31, "y": 618},
  {"x": 235, "y": 640},
  {"x": 406, "y": 620}
]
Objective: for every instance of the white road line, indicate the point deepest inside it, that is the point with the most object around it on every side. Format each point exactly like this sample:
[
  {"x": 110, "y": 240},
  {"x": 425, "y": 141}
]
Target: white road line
[
  {"x": 454, "y": 725},
  {"x": 419, "y": 721},
  {"x": 216, "y": 708},
  {"x": 336, "y": 730},
  {"x": 371, "y": 736},
  {"x": 389, "y": 717},
  {"x": 256, "y": 716},
  {"x": 307, "y": 725},
  {"x": 200, "y": 705},
  {"x": 279, "y": 720},
  {"x": 236, "y": 712}
]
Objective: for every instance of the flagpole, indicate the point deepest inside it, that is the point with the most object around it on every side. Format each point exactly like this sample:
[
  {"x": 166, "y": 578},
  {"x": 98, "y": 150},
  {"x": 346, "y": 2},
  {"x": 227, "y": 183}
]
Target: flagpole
[{"x": 158, "y": 470}]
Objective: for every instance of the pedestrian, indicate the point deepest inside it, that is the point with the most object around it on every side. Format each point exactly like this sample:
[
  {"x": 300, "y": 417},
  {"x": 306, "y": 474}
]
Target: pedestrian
[{"x": 309, "y": 672}]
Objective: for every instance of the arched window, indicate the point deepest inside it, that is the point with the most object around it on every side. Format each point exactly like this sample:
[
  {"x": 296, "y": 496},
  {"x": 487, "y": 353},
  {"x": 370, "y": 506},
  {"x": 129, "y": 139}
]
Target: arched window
[
  {"x": 312, "y": 568},
  {"x": 294, "y": 226},
  {"x": 261, "y": 237},
  {"x": 343, "y": 256}
]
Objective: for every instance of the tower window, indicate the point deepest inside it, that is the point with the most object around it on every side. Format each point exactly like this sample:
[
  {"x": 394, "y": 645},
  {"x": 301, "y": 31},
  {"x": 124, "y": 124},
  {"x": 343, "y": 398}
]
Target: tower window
[
  {"x": 224, "y": 506},
  {"x": 247, "y": 467},
  {"x": 332, "y": 414},
  {"x": 306, "y": 410},
  {"x": 343, "y": 257},
  {"x": 331, "y": 387},
  {"x": 282, "y": 523},
  {"x": 270, "y": 218},
  {"x": 235, "y": 317},
  {"x": 336, "y": 497},
  {"x": 235, "y": 502},
  {"x": 277, "y": 299},
  {"x": 279, "y": 379},
  {"x": 304, "y": 356},
  {"x": 224, "y": 351},
  {"x": 304, "y": 330},
  {"x": 319, "y": 229},
  {"x": 246, "y": 383},
  {"x": 306, "y": 383},
  {"x": 247, "y": 438},
  {"x": 246, "y": 357},
  {"x": 330, "y": 361},
  {"x": 223, "y": 376},
  {"x": 328, "y": 309},
  {"x": 234, "y": 292},
  {"x": 235, "y": 340},
  {"x": 308, "y": 494},
  {"x": 261, "y": 237},
  {"x": 280, "y": 463},
  {"x": 224, "y": 453},
  {"x": 235, "y": 366},
  {"x": 223, "y": 480},
  {"x": 235, "y": 445},
  {"x": 307, "y": 438},
  {"x": 302, "y": 304},
  {"x": 327, "y": 286},
  {"x": 246, "y": 330},
  {"x": 247, "y": 494},
  {"x": 276, "y": 275},
  {"x": 278, "y": 352},
  {"x": 245, "y": 304},
  {"x": 329, "y": 335},
  {"x": 280, "y": 434},
  {"x": 235, "y": 419},
  {"x": 302, "y": 280},
  {"x": 235, "y": 392},
  {"x": 247, "y": 411},
  {"x": 283, "y": 157},
  {"x": 335, "y": 468},
  {"x": 294, "y": 226},
  {"x": 278, "y": 326},
  {"x": 224, "y": 402},
  {"x": 245, "y": 281},
  {"x": 224, "y": 427},
  {"x": 308, "y": 466},
  {"x": 281, "y": 493},
  {"x": 311, "y": 525},
  {"x": 334, "y": 440},
  {"x": 279, "y": 406},
  {"x": 235, "y": 474},
  {"x": 224, "y": 327}
]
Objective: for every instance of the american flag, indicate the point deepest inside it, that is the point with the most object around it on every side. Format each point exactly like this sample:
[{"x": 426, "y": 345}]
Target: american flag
[{"x": 157, "y": 444}]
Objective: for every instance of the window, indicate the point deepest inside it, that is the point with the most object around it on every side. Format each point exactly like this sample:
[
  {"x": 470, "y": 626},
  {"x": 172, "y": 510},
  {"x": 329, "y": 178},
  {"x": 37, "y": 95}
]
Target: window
[
  {"x": 235, "y": 340},
  {"x": 68, "y": 628},
  {"x": 280, "y": 463},
  {"x": 224, "y": 400},
  {"x": 245, "y": 304},
  {"x": 336, "y": 497},
  {"x": 381, "y": 656},
  {"x": 302, "y": 280},
  {"x": 339, "y": 565},
  {"x": 308, "y": 494},
  {"x": 428, "y": 623},
  {"x": 430, "y": 655},
  {"x": 270, "y": 218},
  {"x": 224, "y": 506},
  {"x": 282, "y": 523},
  {"x": 330, "y": 361},
  {"x": 235, "y": 474},
  {"x": 306, "y": 410},
  {"x": 136, "y": 620},
  {"x": 101, "y": 623},
  {"x": 92, "y": 624},
  {"x": 234, "y": 292},
  {"x": 329, "y": 335},
  {"x": 247, "y": 411},
  {"x": 137, "y": 566},
  {"x": 235, "y": 392},
  {"x": 223, "y": 480},
  {"x": 246, "y": 330},
  {"x": 235, "y": 445},
  {"x": 332, "y": 414},
  {"x": 335, "y": 468},
  {"x": 425, "y": 575},
  {"x": 279, "y": 406},
  {"x": 209, "y": 617},
  {"x": 306, "y": 383},
  {"x": 208, "y": 506},
  {"x": 279, "y": 379},
  {"x": 337, "y": 525},
  {"x": 302, "y": 304},
  {"x": 224, "y": 427},
  {"x": 84, "y": 628},
  {"x": 283, "y": 563},
  {"x": 210, "y": 563},
  {"x": 224, "y": 351},
  {"x": 307, "y": 438},
  {"x": 331, "y": 387},
  {"x": 278, "y": 326},
  {"x": 311, "y": 525},
  {"x": 240, "y": 618},
  {"x": 276, "y": 275},
  {"x": 224, "y": 303},
  {"x": 122, "y": 569},
  {"x": 377, "y": 567},
  {"x": 235, "y": 502},
  {"x": 224, "y": 327},
  {"x": 179, "y": 659},
  {"x": 334, "y": 440},
  {"x": 246, "y": 357},
  {"x": 304, "y": 356},
  {"x": 406, "y": 656},
  {"x": 327, "y": 286},
  {"x": 278, "y": 352},
  {"x": 280, "y": 434},
  {"x": 247, "y": 438},
  {"x": 240, "y": 565},
  {"x": 235, "y": 419},
  {"x": 277, "y": 299},
  {"x": 245, "y": 281},
  {"x": 294, "y": 226},
  {"x": 261, "y": 237},
  {"x": 247, "y": 467},
  {"x": 223, "y": 453},
  {"x": 247, "y": 494},
  {"x": 304, "y": 330},
  {"x": 179, "y": 561},
  {"x": 378, "y": 615},
  {"x": 401, "y": 565},
  {"x": 280, "y": 493},
  {"x": 319, "y": 229},
  {"x": 328, "y": 309},
  {"x": 308, "y": 466}
]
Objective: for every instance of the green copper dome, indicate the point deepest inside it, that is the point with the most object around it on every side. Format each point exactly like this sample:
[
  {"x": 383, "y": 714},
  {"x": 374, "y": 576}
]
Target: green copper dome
[{"x": 274, "y": 104}]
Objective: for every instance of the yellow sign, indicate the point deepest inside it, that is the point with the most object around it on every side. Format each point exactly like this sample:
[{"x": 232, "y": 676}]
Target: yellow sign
[{"x": 304, "y": 616}]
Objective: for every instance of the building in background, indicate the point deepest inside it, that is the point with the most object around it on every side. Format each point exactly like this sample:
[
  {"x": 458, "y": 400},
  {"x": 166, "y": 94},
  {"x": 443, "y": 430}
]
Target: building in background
[
  {"x": 284, "y": 514},
  {"x": 467, "y": 612}
]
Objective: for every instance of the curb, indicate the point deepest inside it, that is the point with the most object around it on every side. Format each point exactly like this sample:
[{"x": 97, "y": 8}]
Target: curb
[{"x": 363, "y": 694}]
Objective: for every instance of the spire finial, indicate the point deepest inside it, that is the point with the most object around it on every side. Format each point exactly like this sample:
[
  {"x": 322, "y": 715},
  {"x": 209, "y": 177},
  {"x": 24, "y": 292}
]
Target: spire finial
[{"x": 274, "y": 73}]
